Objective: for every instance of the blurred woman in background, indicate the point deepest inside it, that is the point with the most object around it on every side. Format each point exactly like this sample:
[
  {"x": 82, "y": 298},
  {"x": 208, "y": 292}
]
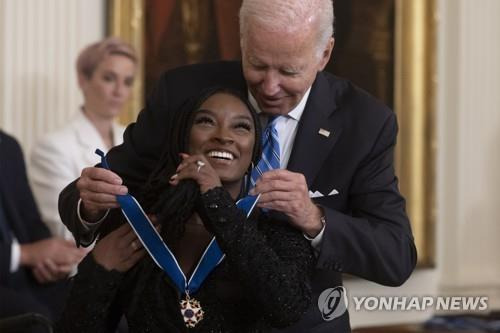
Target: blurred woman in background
[{"x": 106, "y": 72}]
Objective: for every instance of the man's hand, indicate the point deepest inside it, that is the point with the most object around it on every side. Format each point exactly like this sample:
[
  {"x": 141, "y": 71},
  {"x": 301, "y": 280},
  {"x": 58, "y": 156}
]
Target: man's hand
[
  {"x": 98, "y": 189},
  {"x": 51, "y": 259},
  {"x": 48, "y": 271},
  {"x": 119, "y": 250},
  {"x": 287, "y": 192}
]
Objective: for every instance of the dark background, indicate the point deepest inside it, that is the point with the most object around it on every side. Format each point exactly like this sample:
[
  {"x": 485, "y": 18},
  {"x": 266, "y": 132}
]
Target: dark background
[{"x": 190, "y": 31}]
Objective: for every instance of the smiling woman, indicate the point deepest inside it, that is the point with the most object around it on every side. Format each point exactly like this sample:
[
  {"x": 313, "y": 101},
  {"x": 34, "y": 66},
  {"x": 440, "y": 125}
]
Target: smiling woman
[
  {"x": 210, "y": 147},
  {"x": 218, "y": 125},
  {"x": 223, "y": 130}
]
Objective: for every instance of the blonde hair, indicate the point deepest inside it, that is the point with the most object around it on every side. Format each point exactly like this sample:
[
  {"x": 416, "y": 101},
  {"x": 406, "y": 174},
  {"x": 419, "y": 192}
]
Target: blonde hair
[{"x": 90, "y": 57}]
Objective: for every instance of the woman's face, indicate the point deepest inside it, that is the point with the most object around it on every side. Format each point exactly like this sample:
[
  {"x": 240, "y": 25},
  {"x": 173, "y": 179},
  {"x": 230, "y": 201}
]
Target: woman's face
[
  {"x": 109, "y": 87},
  {"x": 223, "y": 130}
]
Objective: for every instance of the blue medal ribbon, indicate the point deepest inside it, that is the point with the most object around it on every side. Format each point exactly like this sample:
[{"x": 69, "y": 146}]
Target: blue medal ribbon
[{"x": 159, "y": 251}]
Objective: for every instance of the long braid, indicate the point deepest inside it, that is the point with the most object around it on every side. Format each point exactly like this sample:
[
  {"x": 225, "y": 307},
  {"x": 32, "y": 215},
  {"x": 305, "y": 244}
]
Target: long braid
[{"x": 172, "y": 204}]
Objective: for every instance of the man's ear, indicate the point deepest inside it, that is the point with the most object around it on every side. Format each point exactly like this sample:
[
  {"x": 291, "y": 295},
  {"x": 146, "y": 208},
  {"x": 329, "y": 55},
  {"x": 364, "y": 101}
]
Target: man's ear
[{"x": 326, "y": 54}]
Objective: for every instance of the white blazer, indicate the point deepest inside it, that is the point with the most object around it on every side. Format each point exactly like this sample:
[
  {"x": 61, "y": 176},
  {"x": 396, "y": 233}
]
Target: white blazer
[{"x": 58, "y": 159}]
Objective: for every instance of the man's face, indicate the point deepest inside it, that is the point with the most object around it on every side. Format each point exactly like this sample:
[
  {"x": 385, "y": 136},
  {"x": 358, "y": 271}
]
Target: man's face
[{"x": 279, "y": 67}]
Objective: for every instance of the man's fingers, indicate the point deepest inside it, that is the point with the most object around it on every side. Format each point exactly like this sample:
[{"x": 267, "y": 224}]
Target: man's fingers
[
  {"x": 98, "y": 190},
  {"x": 104, "y": 198},
  {"x": 103, "y": 187},
  {"x": 79, "y": 252},
  {"x": 101, "y": 174},
  {"x": 96, "y": 205},
  {"x": 69, "y": 243},
  {"x": 57, "y": 271},
  {"x": 275, "y": 185},
  {"x": 279, "y": 195},
  {"x": 39, "y": 276},
  {"x": 43, "y": 272},
  {"x": 64, "y": 270},
  {"x": 73, "y": 254},
  {"x": 67, "y": 254},
  {"x": 281, "y": 180},
  {"x": 69, "y": 258},
  {"x": 51, "y": 267},
  {"x": 278, "y": 205},
  {"x": 281, "y": 174}
]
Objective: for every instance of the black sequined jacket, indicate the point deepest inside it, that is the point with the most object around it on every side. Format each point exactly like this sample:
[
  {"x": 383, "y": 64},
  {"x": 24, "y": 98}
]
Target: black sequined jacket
[{"x": 263, "y": 282}]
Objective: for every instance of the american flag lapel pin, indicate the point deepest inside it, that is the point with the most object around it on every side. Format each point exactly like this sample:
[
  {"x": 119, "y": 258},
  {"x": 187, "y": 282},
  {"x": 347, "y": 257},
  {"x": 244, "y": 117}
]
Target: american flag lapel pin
[{"x": 324, "y": 132}]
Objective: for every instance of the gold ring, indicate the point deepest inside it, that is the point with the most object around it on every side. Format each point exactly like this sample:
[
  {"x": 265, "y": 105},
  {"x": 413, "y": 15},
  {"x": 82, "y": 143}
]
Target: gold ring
[
  {"x": 200, "y": 164},
  {"x": 134, "y": 245}
]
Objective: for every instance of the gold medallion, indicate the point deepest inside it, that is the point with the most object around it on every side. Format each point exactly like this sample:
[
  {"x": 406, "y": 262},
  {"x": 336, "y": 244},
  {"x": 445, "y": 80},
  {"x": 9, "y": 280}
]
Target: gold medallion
[{"x": 191, "y": 311}]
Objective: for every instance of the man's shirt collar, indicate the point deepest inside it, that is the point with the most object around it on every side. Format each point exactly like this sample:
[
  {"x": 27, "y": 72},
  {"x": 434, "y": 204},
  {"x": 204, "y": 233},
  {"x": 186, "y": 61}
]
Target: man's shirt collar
[{"x": 297, "y": 111}]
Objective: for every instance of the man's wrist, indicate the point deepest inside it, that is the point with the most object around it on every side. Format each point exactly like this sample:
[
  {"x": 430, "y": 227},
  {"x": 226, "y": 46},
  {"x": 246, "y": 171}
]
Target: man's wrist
[
  {"x": 84, "y": 216},
  {"x": 25, "y": 258},
  {"x": 317, "y": 223}
]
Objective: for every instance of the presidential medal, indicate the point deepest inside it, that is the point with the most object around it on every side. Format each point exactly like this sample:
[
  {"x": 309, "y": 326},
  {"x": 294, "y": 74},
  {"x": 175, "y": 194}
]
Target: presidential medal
[
  {"x": 191, "y": 311},
  {"x": 145, "y": 230}
]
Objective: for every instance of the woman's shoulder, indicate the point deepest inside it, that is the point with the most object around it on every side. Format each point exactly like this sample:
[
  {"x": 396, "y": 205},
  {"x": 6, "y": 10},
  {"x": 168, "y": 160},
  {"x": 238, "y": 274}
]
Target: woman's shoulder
[{"x": 63, "y": 136}]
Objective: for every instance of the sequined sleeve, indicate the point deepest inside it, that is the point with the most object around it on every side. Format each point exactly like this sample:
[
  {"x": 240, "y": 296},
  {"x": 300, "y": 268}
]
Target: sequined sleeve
[
  {"x": 273, "y": 261},
  {"x": 90, "y": 306}
]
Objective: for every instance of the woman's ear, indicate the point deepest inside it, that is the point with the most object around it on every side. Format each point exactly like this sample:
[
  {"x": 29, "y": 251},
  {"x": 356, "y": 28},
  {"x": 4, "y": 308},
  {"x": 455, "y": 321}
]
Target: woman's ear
[{"x": 82, "y": 81}]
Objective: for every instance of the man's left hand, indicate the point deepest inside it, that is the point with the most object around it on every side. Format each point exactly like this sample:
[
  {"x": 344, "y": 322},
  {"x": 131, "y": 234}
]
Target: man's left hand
[
  {"x": 48, "y": 271},
  {"x": 287, "y": 192}
]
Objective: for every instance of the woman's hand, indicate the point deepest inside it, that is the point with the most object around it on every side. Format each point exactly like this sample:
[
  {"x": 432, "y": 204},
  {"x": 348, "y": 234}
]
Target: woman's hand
[
  {"x": 119, "y": 250},
  {"x": 196, "y": 167}
]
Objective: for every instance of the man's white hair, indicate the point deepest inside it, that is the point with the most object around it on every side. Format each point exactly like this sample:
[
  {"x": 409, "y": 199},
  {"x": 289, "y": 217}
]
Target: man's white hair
[{"x": 289, "y": 15}]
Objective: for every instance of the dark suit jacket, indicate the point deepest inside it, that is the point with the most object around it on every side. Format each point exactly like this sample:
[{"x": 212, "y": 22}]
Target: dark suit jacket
[
  {"x": 367, "y": 232},
  {"x": 19, "y": 291},
  {"x": 21, "y": 212}
]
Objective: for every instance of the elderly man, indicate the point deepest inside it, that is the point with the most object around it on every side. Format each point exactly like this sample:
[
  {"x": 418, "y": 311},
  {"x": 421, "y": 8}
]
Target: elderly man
[{"x": 334, "y": 142}]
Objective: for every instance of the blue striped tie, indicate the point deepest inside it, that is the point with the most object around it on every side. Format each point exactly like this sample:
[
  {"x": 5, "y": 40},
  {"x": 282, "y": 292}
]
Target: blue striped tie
[{"x": 270, "y": 159}]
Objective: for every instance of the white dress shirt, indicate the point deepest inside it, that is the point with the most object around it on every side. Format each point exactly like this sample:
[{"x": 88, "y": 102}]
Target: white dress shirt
[
  {"x": 287, "y": 126},
  {"x": 15, "y": 255}
]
